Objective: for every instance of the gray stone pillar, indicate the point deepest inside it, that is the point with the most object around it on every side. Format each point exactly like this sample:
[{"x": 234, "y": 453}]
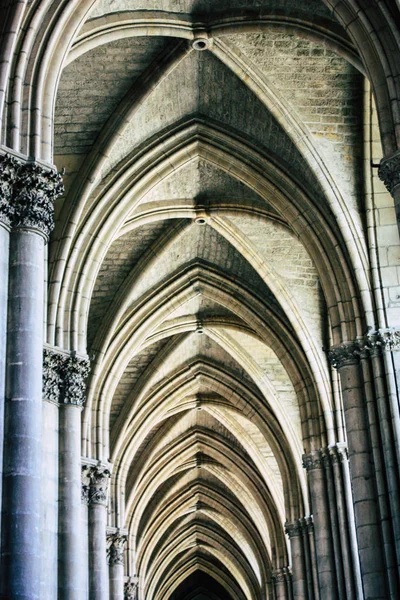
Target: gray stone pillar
[
  {"x": 299, "y": 581},
  {"x": 33, "y": 198},
  {"x": 7, "y": 178},
  {"x": 70, "y": 374},
  {"x": 98, "y": 570},
  {"x": 322, "y": 527},
  {"x": 307, "y": 527},
  {"x": 115, "y": 552},
  {"x": 85, "y": 529},
  {"x": 337, "y": 456},
  {"x": 279, "y": 579},
  {"x": 346, "y": 358}
]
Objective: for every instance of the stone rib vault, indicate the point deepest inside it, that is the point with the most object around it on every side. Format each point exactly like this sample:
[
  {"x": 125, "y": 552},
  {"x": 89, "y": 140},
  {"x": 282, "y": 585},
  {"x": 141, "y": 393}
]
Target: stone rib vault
[{"x": 200, "y": 300}]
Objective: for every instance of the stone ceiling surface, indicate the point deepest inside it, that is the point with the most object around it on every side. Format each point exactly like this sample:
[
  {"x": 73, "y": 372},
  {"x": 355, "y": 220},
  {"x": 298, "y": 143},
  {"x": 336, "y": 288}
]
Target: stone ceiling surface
[{"x": 202, "y": 191}]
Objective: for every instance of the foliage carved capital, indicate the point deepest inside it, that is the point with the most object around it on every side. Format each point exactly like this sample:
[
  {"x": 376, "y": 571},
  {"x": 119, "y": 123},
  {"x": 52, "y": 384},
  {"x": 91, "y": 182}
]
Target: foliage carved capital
[
  {"x": 312, "y": 461},
  {"x": 389, "y": 171},
  {"x": 344, "y": 354},
  {"x": 99, "y": 478},
  {"x": 293, "y": 529},
  {"x": 8, "y": 175},
  {"x": 64, "y": 377},
  {"x": 115, "y": 548},
  {"x": 34, "y": 191}
]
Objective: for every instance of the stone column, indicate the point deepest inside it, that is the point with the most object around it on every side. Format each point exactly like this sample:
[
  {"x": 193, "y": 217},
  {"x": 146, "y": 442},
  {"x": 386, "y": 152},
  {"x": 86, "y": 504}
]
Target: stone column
[
  {"x": 279, "y": 579},
  {"x": 307, "y": 527},
  {"x": 322, "y": 527},
  {"x": 7, "y": 177},
  {"x": 85, "y": 529},
  {"x": 346, "y": 358},
  {"x": 116, "y": 542},
  {"x": 337, "y": 456},
  {"x": 98, "y": 571},
  {"x": 33, "y": 198},
  {"x": 299, "y": 582},
  {"x": 73, "y": 372},
  {"x": 333, "y": 504}
]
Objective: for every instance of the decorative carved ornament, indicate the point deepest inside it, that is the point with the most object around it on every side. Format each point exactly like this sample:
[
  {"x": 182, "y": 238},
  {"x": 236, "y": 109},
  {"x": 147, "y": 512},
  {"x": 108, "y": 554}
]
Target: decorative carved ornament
[
  {"x": 344, "y": 354},
  {"x": 8, "y": 173},
  {"x": 131, "y": 589},
  {"x": 27, "y": 194},
  {"x": 64, "y": 377},
  {"x": 389, "y": 171},
  {"x": 307, "y": 525},
  {"x": 293, "y": 529},
  {"x": 115, "y": 549},
  {"x": 279, "y": 575},
  {"x": 312, "y": 461},
  {"x": 99, "y": 477},
  {"x": 85, "y": 484}
]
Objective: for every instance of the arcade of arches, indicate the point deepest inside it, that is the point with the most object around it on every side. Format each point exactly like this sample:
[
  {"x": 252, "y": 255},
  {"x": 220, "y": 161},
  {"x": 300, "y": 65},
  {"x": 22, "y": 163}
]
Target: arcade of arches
[{"x": 200, "y": 299}]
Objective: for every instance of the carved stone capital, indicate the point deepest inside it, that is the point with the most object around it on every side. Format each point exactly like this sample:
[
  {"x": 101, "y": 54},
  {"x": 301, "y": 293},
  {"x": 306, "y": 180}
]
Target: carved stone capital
[
  {"x": 131, "y": 589},
  {"x": 99, "y": 477},
  {"x": 115, "y": 548},
  {"x": 76, "y": 370},
  {"x": 307, "y": 525},
  {"x": 85, "y": 484},
  {"x": 293, "y": 529},
  {"x": 8, "y": 174},
  {"x": 312, "y": 461},
  {"x": 344, "y": 354},
  {"x": 390, "y": 339},
  {"x": 338, "y": 453},
  {"x": 34, "y": 192},
  {"x": 64, "y": 377},
  {"x": 389, "y": 171},
  {"x": 52, "y": 375},
  {"x": 278, "y": 575}
]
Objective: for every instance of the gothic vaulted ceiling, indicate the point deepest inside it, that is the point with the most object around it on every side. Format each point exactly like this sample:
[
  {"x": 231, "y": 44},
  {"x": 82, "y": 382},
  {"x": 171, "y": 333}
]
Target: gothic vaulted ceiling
[{"x": 213, "y": 156}]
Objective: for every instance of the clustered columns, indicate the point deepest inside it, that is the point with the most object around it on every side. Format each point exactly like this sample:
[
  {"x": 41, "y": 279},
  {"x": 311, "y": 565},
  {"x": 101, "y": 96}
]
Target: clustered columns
[
  {"x": 27, "y": 216},
  {"x": 330, "y": 556},
  {"x": 116, "y": 546},
  {"x": 64, "y": 377},
  {"x": 371, "y": 434}
]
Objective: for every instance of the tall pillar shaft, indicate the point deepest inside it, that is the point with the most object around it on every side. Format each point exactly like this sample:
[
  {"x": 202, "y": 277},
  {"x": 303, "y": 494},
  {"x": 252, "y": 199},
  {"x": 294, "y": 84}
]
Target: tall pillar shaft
[
  {"x": 23, "y": 419},
  {"x": 337, "y": 456},
  {"x": 33, "y": 192},
  {"x": 98, "y": 569},
  {"x": 72, "y": 372},
  {"x": 299, "y": 577},
  {"x": 322, "y": 526},
  {"x": 346, "y": 359},
  {"x": 116, "y": 543},
  {"x": 4, "y": 247},
  {"x": 69, "y": 533},
  {"x": 279, "y": 578}
]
